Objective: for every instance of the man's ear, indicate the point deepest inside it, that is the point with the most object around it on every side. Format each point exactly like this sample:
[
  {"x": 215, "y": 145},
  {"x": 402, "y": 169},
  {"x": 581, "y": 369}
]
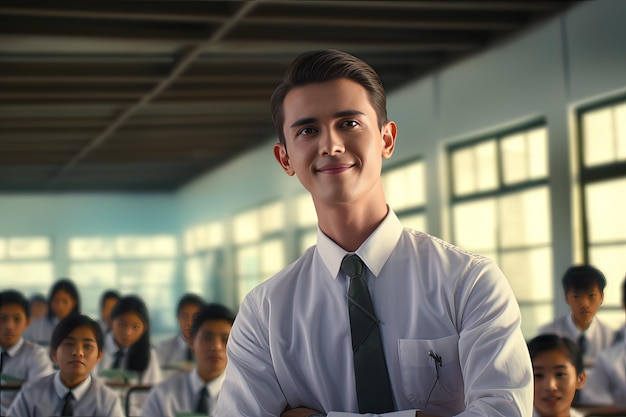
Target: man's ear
[
  {"x": 389, "y": 133},
  {"x": 581, "y": 379},
  {"x": 53, "y": 355},
  {"x": 100, "y": 355},
  {"x": 280, "y": 153}
]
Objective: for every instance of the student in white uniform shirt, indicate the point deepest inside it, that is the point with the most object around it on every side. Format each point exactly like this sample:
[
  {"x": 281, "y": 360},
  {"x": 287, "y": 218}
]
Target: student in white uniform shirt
[
  {"x": 606, "y": 383},
  {"x": 182, "y": 393},
  {"x": 448, "y": 321},
  {"x": 20, "y": 359},
  {"x": 63, "y": 300},
  {"x": 127, "y": 347},
  {"x": 558, "y": 372},
  {"x": 108, "y": 300},
  {"x": 176, "y": 351},
  {"x": 76, "y": 347},
  {"x": 583, "y": 287}
]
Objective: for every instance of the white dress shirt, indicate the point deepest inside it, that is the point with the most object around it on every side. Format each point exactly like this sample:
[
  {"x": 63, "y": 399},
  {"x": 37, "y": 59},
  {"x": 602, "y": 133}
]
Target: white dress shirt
[
  {"x": 173, "y": 351},
  {"x": 152, "y": 374},
  {"x": 606, "y": 381},
  {"x": 599, "y": 336},
  {"x": 40, "y": 330},
  {"x": 45, "y": 397},
  {"x": 572, "y": 413},
  {"x": 180, "y": 393},
  {"x": 291, "y": 347},
  {"x": 27, "y": 362}
]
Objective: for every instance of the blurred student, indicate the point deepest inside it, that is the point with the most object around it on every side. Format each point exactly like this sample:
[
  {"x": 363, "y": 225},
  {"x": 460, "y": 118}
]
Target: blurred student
[
  {"x": 63, "y": 301},
  {"x": 108, "y": 299},
  {"x": 606, "y": 383},
  {"x": 76, "y": 347},
  {"x": 19, "y": 358},
  {"x": 127, "y": 349},
  {"x": 177, "y": 350},
  {"x": 583, "y": 287},
  {"x": 196, "y": 391},
  {"x": 558, "y": 372},
  {"x": 38, "y": 306}
]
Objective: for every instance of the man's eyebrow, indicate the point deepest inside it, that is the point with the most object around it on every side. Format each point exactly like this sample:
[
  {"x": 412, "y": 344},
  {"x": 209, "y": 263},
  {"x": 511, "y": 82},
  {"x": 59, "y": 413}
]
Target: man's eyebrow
[{"x": 308, "y": 120}]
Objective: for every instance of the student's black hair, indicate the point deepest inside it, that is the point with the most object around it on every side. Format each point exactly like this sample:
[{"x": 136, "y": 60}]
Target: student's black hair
[
  {"x": 548, "y": 342},
  {"x": 583, "y": 278},
  {"x": 327, "y": 65},
  {"x": 68, "y": 324},
  {"x": 109, "y": 294},
  {"x": 213, "y": 311},
  {"x": 139, "y": 352},
  {"x": 38, "y": 297},
  {"x": 187, "y": 299},
  {"x": 15, "y": 297},
  {"x": 67, "y": 285}
]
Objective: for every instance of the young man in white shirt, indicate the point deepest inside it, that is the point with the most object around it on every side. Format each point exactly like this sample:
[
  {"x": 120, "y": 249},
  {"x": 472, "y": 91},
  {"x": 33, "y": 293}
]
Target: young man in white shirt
[
  {"x": 448, "y": 321},
  {"x": 182, "y": 393},
  {"x": 23, "y": 360}
]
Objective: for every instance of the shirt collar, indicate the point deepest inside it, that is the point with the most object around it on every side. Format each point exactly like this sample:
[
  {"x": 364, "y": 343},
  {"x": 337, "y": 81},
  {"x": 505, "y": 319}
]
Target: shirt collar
[
  {"x": 110, "y": 346},
  {"x": 214, "y": 386},
  {"x": 575, "y": 330},
  {"x": 12, "y": 351},
  {"x": 77, "y": 391},
  {"x": 374, "y": 251}
]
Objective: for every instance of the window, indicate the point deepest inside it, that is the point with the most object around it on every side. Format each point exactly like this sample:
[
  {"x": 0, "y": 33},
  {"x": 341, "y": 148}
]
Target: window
[
  {"x": 204, "y": 246},
  {"x": 501, "y": 209},
  {"x": 26, "y": 262},
  {"x": 260, "y": 247},
  {"x": 602, "y": 169},
  {"x": 405, "y": 191}
]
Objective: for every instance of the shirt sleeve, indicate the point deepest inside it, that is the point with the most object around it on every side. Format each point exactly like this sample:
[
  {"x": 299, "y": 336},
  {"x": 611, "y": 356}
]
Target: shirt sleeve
[
  {"x": 41, "y": 366},
  {"x": 19, "y": 407},
  {"x": 495, "y": 362},
  {"x": 597, "y": 390},
  {"x": 251, "y": 387},
  {"x": 152, "y": 406}
]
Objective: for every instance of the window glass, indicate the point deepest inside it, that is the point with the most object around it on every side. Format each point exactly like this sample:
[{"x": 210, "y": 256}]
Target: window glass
[{"x": 606, "y": 210}]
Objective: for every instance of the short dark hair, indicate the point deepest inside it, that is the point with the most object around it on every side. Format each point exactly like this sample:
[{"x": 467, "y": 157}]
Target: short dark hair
[
  {"x": 138, "y": 353},
  {"x": 187, "y": 299},
  {"x": 582, "y": 278},
  {"x": 69, "y": 323},
  {"x": 109, "y": 294},
  {"x": 15, "y": 297},
  {"x": 547, "y": 342},
  {"x": 213, "y": 311},
  {"x": 67, "y": 285},
  {"x": 326, "y": 65}
]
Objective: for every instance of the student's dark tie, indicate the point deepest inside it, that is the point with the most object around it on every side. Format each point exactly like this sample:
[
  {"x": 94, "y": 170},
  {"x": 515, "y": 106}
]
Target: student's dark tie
[
  {"x": 117, "y": 362},
  {"x": 203, "y": 406},
  {"x": 582, "y": 344},
  {"x": 68, "y": 408},
  {"x": 189, "y": 354},
  {"x": 373, "y": 387}
]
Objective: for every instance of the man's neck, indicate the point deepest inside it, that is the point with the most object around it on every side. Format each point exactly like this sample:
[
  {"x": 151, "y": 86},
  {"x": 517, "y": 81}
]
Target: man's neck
[
  {"x": 207, "y": 376},
  {"x": 581, "y": 325},
  {"x": 71, "y": 382}
]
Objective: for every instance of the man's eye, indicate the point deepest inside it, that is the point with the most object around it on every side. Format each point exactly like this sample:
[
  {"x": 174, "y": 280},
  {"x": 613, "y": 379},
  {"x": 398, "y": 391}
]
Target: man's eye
[
  {"x": 306, "y": 131},
  {"x": 350, "y": 123}
]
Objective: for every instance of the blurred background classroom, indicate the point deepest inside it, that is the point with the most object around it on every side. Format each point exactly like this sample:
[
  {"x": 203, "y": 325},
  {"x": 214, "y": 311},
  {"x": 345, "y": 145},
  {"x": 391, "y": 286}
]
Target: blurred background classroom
[{"x": 136, "y": 145}]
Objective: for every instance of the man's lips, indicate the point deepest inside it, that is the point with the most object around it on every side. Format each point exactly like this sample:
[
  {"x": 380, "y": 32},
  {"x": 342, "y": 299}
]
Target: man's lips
[{"x": 334, "y": 168}]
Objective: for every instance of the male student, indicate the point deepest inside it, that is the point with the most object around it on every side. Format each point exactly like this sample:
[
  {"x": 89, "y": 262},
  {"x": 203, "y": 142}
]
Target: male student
[
  {"x": 411, "y": 325},
  {"x": 20, "y": 359},
  {"x": 196, "y": 391},
  {"x": 583, "y": 287},
  {"x": 176, "y": 350}
]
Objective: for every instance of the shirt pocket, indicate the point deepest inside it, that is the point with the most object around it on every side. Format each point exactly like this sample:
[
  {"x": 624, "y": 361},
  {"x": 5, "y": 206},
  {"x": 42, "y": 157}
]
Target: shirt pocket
[{"x": 430, "y": 370}]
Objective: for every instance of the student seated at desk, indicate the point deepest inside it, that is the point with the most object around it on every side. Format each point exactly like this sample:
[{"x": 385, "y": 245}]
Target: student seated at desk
[
  {"x": 63, "y": 301},
  {"x": 76, "y": 347},
  {"x": 196, "y": 391},
  {"x": 128, "y": 355},
  {"x": 108, "y": 300},
  {"x": 175, "y": 352},
  {"x": 558, "y": 372},
  {"x": 607, "y": 379},
  {"x": 21, "y": 361}
]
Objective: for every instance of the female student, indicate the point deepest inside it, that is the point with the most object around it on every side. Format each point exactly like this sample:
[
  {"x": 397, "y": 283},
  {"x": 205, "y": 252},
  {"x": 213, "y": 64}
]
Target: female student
[
  {"x": 76, "y": 346},
  {"x": 63, "y": 301},
  {"x": 127, "y": 347},
  {"x": 558, "y": 371}
]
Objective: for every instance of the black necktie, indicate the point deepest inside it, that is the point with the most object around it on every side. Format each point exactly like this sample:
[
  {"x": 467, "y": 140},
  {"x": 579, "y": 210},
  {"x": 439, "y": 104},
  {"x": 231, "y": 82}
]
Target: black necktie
[
  {"x": 203, "y": 407},
  {"x": 189, "y": 354},
  {"x": 3, "y": 357},
  {"x": 118, "y": 359},
  {"x": 582, "y": 344},
  {"x": 68, "y": 408},
  {"x": 373, "y": 387}
]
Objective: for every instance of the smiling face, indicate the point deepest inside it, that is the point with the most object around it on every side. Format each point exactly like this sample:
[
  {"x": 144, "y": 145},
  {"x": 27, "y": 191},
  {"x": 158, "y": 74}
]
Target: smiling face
[
  {"x": 76, "y": 356},
  {"x": 209, "y": 347},
  {"x": 584, "y": 305},
  {"x": 13, "y": 322},
  {"x": 556, "y": 382},
  {"x": 333, "y": 143},
  {"x": 127, "y": 329}
]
